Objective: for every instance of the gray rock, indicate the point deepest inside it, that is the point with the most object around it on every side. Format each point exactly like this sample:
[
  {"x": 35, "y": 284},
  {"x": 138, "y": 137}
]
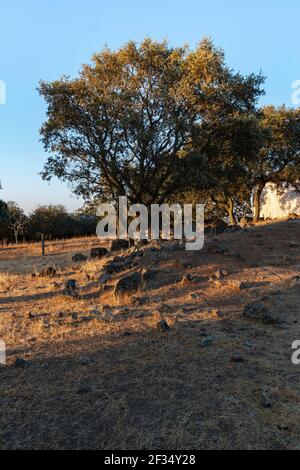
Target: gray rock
[
  {"x": 104, "y": 278},
  {"x": 207, "y": 341},
  {"x": 128, "y": 284},
  {"x": 21, "y": 363},
  {"x": 79, "y": 258},
  {"x": 139, "y": 301},
  {"x": 118, "y": 245},
  {"x": 163, "y": 326},
  {"x": 237, "y": 358},
  {"x": 246, "y": 285},
  {"x": 257, "y": 311},
  {"x": 98, "y": 253},
  {"x": 71, "y": 284},
  {"x": 217, "y": 227}
]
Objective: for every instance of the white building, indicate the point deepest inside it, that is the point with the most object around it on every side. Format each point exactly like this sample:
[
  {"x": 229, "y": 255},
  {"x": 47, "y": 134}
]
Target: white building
[{"x": 279, "y": 203}]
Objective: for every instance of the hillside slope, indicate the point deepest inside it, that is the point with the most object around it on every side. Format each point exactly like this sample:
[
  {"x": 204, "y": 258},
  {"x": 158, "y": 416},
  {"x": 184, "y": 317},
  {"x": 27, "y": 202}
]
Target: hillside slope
[{"x": 94, "y": 371}]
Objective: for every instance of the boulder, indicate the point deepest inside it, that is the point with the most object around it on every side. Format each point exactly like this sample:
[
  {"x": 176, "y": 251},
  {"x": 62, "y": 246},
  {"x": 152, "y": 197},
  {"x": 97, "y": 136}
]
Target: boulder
[
  {"x": 217, "y": 226},
  {"x": 257, "y": 311},
  {"x": 163, "y": 326},
  {"x": 21, "y": 363},
  {"x": 98, "y": 252},
  {"x": 118, "y": 245},
  {"x": 154, "y": 278},
  {"x": 79, "y": 258},
  {"x": 128, "y": 284}
]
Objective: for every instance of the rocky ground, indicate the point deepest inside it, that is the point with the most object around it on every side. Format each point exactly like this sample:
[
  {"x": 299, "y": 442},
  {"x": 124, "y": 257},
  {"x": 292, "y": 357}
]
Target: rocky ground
[{"x": 157, "y": 348}]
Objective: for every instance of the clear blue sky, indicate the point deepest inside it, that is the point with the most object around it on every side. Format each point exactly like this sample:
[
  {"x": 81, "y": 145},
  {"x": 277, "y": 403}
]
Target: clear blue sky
[{"x": 49, "y": 38}]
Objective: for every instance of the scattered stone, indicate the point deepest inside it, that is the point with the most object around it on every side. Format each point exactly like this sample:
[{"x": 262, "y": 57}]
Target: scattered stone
[
  {"x": 128, "y": 284},
  {"x": 21, "y": 363},
  {"x": 98, "y": 252},
  {"x": 246, "y": 285},
  {"x": 259, "y": 312},
  {"x": 237, "y": 358},
  {"x": 48, "y": 272},
  {"x": 118, "y": 245},
  {"x": 71, "y": 284},
  {"x": 155, "y": 278},
  {"x": 217, "y": 227},
  {"x": 137, "y": 254},
  {"x": 207, "y": 341},
  {"x": 189, "y": 310},
  {"x": 37, "y": 316},
  {"x": 71, "y": 289},
  {"x": 79, "y": 258},
  {"x": 104, "y": 278},
  {"x": 163, "y": 326},
  {"x": 139, "y": 301}
]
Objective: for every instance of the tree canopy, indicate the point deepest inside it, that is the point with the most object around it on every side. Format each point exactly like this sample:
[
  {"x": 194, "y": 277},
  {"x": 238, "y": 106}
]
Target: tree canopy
[{"x": 141, "y": 120}]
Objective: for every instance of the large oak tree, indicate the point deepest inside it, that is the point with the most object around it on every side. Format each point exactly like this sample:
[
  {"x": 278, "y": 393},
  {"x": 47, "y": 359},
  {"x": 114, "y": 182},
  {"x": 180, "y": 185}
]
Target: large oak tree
[{"x": 135, "y": 118}]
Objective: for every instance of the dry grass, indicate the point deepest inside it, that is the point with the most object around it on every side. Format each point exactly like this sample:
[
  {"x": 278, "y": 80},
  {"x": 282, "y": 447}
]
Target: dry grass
[{"x": 107, "y": 379}]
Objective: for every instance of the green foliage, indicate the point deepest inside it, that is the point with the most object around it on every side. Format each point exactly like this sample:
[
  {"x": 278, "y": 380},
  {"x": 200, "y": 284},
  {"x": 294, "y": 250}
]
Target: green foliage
[
  {"x": 55, "y": 222},
  {"x": 136, "y": 120},
  {"x": 279, "y": 158}
]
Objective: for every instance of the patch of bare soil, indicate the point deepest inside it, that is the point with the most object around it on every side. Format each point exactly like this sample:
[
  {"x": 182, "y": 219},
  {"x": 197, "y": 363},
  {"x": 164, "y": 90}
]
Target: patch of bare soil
[{"x": 88, "y": 368}]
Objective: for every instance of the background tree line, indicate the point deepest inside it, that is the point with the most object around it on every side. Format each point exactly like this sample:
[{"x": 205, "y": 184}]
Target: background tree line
[{"x": 53, "y": 221}]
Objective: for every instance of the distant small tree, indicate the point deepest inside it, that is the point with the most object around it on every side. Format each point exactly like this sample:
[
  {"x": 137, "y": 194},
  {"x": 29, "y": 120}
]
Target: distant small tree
[
  {"x": 52, "y": 221},
  {"x": 4, "y": 219},
  {"x": 17, "y": 220}
]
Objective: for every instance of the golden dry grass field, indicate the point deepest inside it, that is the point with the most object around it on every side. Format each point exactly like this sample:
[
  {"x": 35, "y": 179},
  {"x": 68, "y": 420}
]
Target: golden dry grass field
[{"x": 93, "y": 371}]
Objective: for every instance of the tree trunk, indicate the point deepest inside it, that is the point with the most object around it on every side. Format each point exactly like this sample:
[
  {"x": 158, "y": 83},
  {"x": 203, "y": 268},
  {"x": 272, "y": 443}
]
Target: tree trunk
[
  {"x": 230, "y": 207},
  {"x": 257, "y": 202}
]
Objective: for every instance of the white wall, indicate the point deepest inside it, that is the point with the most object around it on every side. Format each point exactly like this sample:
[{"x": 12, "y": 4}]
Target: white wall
[{"x": 279, "y": 204}]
